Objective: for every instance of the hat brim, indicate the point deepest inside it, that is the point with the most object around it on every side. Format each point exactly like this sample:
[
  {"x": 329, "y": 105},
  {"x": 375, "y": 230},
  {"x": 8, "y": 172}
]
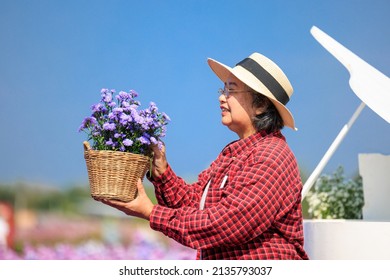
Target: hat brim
[{"x": 223, "y": 72}]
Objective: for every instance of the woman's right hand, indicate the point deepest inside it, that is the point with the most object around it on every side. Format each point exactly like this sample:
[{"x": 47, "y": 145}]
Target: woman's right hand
[{"x": 159, "y": 163}]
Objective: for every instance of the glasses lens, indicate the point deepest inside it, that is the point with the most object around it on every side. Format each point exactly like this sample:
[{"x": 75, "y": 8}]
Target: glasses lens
[{"x": 223, "y": 91}]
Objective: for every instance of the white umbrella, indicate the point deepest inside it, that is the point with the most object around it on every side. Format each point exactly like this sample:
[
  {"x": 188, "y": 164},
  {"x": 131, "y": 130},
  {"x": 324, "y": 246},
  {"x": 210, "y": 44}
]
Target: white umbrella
[{"x": 369, "y": 84}]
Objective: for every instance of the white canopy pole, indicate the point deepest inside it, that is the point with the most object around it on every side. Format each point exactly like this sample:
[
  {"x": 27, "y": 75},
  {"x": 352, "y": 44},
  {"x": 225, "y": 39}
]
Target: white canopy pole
[
  {"x": 370, "y": 85},
  {"x": 336, "y": 142}
]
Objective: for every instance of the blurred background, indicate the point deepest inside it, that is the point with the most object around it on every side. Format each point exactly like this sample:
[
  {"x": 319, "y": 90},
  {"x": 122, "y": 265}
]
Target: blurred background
[{"x": 55, "y": 56}]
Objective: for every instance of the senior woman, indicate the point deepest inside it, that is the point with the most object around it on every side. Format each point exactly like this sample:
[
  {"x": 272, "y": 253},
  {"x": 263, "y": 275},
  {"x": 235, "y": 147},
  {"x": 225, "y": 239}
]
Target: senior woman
[{"x": 247, "y": 203}]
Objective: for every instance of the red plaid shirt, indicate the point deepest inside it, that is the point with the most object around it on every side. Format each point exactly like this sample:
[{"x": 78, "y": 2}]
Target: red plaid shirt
[{"x": 255, "y": 215}]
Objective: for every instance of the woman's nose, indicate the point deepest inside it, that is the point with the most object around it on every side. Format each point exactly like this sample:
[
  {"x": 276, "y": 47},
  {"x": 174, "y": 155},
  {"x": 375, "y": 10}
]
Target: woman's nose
[{"x": 222, "y": 98}]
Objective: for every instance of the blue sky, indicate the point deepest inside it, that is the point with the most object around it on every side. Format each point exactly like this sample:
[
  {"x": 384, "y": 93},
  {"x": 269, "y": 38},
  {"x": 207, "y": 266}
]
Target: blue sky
[{"x": 55, "y": 56}]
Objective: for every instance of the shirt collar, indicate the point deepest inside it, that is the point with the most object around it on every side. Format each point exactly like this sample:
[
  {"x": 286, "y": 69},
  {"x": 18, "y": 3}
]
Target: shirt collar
[{"x": 236, "y": 147}]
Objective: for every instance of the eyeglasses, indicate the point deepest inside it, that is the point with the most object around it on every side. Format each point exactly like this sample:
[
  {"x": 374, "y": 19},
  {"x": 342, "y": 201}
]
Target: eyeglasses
[{"x": 227, "y": 92}]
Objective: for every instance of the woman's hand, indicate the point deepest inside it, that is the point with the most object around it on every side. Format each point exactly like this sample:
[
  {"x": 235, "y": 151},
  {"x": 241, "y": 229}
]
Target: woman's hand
[
  {"x": 140, "y": 207},
  {"x": 159, "y": 164}
]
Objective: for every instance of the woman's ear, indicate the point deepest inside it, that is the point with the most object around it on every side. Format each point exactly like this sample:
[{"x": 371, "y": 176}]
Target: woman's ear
[
  {"x": 259, "y": 110},
  {"x": 261, "y": 103}
]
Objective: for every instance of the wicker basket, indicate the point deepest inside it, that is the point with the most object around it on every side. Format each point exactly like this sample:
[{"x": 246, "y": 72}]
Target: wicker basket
[{"x": 114, "y": 175}]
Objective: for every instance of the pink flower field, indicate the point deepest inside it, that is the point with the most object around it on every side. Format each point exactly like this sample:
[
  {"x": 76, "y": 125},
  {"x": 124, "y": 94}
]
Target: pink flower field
[{"x": 57, "y": 237}]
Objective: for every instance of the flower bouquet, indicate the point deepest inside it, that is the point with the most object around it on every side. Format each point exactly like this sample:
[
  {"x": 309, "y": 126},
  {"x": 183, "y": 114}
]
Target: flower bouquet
[{"x": 121, "y": 134}]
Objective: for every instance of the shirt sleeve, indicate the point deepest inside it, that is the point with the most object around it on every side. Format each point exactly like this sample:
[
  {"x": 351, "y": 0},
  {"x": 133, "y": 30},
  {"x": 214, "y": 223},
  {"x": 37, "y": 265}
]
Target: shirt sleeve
[
  {"x": 258, "y": 194},
  {"x": 173, "y": 192}
]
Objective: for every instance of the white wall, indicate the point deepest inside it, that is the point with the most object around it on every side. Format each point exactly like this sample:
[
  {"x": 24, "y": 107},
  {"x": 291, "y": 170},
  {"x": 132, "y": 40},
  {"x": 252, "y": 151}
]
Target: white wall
[
  {"x": 347, "y": 240},
  {"x": 367, "y": 239},
  {"x": 375, "y": 171}
]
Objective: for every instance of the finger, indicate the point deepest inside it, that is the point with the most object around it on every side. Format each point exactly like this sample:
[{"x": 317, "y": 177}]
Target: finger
[
  {"x": 158, "y": 150},
  {"x": 140, "y": 187},
  {"x": 155, "y": 148},
  {"x": 112, "y": 202}
]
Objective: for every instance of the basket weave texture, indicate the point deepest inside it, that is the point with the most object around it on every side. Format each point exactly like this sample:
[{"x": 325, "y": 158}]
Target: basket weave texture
[{"x": 114, "y": 175}]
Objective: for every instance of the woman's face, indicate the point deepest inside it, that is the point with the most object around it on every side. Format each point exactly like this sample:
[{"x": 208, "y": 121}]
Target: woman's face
[{"x": 237, "y": 109}]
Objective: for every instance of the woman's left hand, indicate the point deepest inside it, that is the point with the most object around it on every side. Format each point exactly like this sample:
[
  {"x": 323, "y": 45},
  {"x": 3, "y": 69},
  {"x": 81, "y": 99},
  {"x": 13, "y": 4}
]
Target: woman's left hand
[{"x": 140, "y": 207}]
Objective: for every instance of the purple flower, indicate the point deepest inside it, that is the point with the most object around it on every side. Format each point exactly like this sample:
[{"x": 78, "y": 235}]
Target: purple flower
[
  {"x": 153, "y": 107},
  {"x": 111, "y": 116},
  {"x": 166, "y": 117},
  {"x": 127, "y": 142},
  {"x": 123, "y": 96},
  {"x": 117, "y": 110},
  {"x": 133, "y": 93},
  {"x": 107, "y": 97},
  {"x": 87, "y": 122},
  {"x": 124, "y": 118},
  {"x": 145, "y": 124},
  {"x": 153, "y": 140},
  {"x": 97, "y": 107},
  {"x": 126, "y": 105},
  {"x": 135, "y": 115},
  {"x": 134, "y": 106},
  {"x": 109, "y": 126},
  {"x": 144, "y": 140}
]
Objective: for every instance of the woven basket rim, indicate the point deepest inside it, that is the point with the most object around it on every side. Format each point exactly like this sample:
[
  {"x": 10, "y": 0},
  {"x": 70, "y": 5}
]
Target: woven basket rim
[{"x": 87, "y": 148}]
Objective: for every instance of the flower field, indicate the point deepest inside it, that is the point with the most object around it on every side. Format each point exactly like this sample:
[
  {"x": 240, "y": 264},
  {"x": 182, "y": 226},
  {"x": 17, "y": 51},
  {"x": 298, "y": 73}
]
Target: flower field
[{"x": 54, "y": 237}]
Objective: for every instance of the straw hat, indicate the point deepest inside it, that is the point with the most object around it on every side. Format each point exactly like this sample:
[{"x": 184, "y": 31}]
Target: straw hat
[{"x": 263, "y": 76}]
